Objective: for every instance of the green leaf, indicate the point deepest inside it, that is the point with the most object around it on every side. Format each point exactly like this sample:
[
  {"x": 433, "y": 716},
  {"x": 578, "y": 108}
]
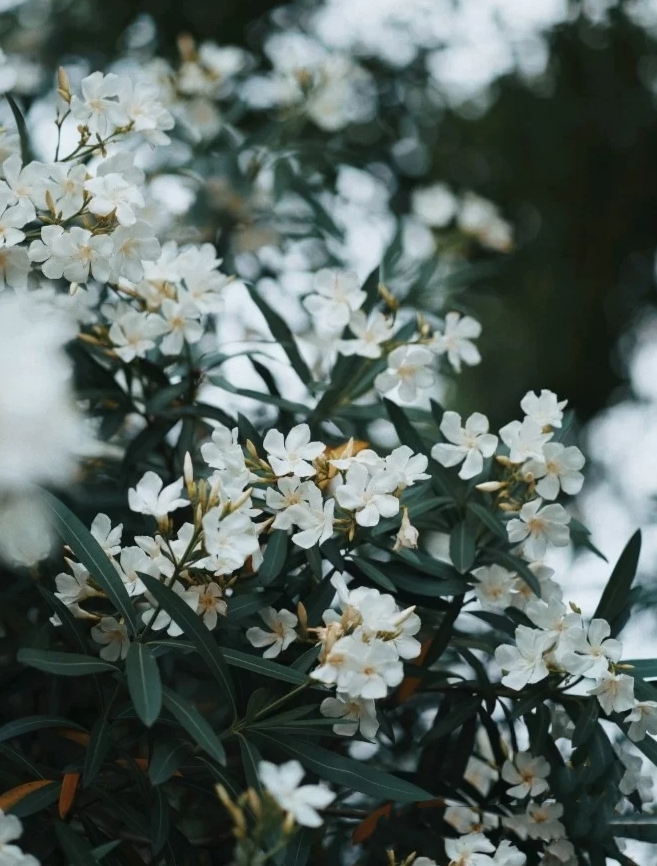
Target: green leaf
[
  {"x": 644, "y": 668},
  {"x": 282, "y": 334},
  {"x": 462, "y": 547},
  {"x": 35, "y": 723},
  {"x": 353, "y": 775},
  {"x": 23, "y": 134},
  {"x": 77, "y": 850},
  {"x": 274, "y": 558},
  {"x": 159, "y": 821},
  {"x": 267, "y": 668},
  {"x": 371, "y": 289},
  {"x": 92, "y": 556},
  {"x": 144, "y": 683},
  {"x": 195, "y": 630},
  {"x": 250, "y": 759},
  {"x": 375, "y": 573},
  {"x": 586, "y": 723},
  {"x": 96, "y": 750},
  {"x": 454, "y": 719},
  {"x": 105, "y": 849},
  {"x": 489, "y": 519},
  {"x": 63, "y": 664},
  {"x": 615, "y": 596},
  {"x": 166, "y": 758},
  {"x": 407, "y": 434},
  {"x": 194, "y": 723},
  {"x": 69, "y": 625},
  {"x": 298, "y": 850},
  {"x": 641, "y": 827},
  {"x": 428, "y": 565},
  {"x": 36, "y": 801}
]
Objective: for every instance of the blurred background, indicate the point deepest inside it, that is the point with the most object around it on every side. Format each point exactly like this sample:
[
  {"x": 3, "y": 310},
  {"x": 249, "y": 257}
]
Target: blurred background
[{"x": 546, "y": 108}]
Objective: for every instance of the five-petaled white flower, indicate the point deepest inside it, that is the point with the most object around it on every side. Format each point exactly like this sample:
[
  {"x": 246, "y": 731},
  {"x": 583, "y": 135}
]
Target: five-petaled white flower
[
  {"x": 300, "y": 801},
  {"x": 408, "y": 368},
  {"x": 149, "y": 496},
  {"x": 535, "y": 526},
  {"x": 545, "y": 409},
  {"x": 559, "y": 469},
  {"x": 527, "y": 775},
  {"x": 293, "y": 453},
  {"x": 370, "y": 332},
  {"x": 114, "y": 637},
  {"x": 109, "y": 538},
  {"x": 524, "y": 662},
  {"x": 589, "y": 655},
  {"x": 456, "y": 340},
  {"x": 525, "y": 440},
  {"x": 469, "y": 444},
  {"x": 337, "y": 295},
  {"x": 369, "y": 496},
  {"x": 354, "y": 713},
  {"x": 210, "y": 603},
  {"x": 282, "y": 624},
  {"x": 643, "y": 720},
  {"x": 615, "y": 692},
  {"x": 470, "y": 850}
]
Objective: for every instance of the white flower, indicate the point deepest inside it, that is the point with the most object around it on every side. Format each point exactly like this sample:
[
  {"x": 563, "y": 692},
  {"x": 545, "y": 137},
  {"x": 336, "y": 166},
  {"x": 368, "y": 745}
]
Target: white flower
[
  {"x": 369, "y": 496},
  {"x": 77, "y": 253},
  {"x": 292, "y": 453},
  {"x": 161, "y": 619},
  {"x": 470, "y": 850},
  {"x": 546, "y": 409},
  {"x": 27, "y": 183},
  {"x": 370, "y": 331},
  {"x": 536, "y": 526},
  {"x": 224, "y": 450},
  {"x": 542, "y": 821},
  {"x": 495, "y": 587},
  {"x": 408, "y": 368},
  {"x": 508, "y": 855},
  {"x": 112, "y": 194},
  {"x": 134, "y": 333},
  {"x": 66, "y": 186},
  {"x": 180, "y": 324},
  {"x": 407, "y": 466},
  {"x": 356, "y": 713},
  {"x": 527, "y": 775},
  {"x": 210, "y": 603},
  {"x": 590, "y": 655},
  {"x": 98, "y": 108},
  {"x": 337, "y": 295},
  {"x": 456, "y": 340},
  {"x": 283, "y": 783},
  {"x": 282, "y": 624},
  {"x": 72, "y": 588},
  {"x": 291, "y": 491},
  {"x": 615, "y": 692},
  {"x": 560, "y": 853},
  {"x": 149, "y": 496},
  {"x": 229, "y": 540},
  {"x": 525, "y": 440},
  {"x": 199, "y": 270},
  {"x": 643, "y": 718},
  {"x": 133, "y": 562},
  {"x": 435, "y": 205},
  {"x": 11, "y": 855},
  {"x": 14, "y": 267},
  {"x": 524, "y": 662},
  {"x": 140, "y": 100},
  {"x": 559, "y": 469},
  {"x": 481, "y": 219},
  {"x": 114, "y": 636},
  {"x": 133, "y": 245},
  {"x": 315, "y": 520},
  {"x": 469, "y": 444},
  {"x": 108, "y": 538},
  {"x": 361, "y": 670}
]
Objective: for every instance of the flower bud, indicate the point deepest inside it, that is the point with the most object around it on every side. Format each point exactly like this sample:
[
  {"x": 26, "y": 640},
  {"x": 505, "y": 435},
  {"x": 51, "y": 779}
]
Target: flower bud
[{"x": 490, "y": 486}]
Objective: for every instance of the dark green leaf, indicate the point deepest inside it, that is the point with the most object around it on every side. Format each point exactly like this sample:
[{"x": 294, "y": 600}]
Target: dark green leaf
[
  {"x": 23, "y": 134},
  {"x": 92, "y": 556},
  {"x": 144, "y": 683},
  {"x": 615, "y": 595},
  {"x": 452, "y": 720},
  {"x": 166, "y": 758},
  {"x": 586, "y": 723},
  {"x": 267, "y": 668},
  {"x": 489, "y": 519},
  {"x": 194, "y": 723},
  {"x": 70, "y": 625},
  {"x": 195, "y": 630},
  {"x": 283, "y": 336},
  {"x": 103, "y": 850},
  {"x": 644, "y": 668},
  {"x": 407, "y": 434},
  {"x": 159, "y": 821},
  {"x": 375, "y": 573},
  {"x": 36, "y": 801},
  {"x": 353, "y": 775},
  {"x": 462, "y": 547},
  {"x": 298, "y": 850},
  {"x": 77, "y": 850},
  {"x": 250, "y": 759},
  {"x": 63, "y": 664},
  {"x": 641, "y": 827},
  {"x": 35, "y": 723},
  {"x": 274, "y": 557},
  {"x": 96, "y": 750}
]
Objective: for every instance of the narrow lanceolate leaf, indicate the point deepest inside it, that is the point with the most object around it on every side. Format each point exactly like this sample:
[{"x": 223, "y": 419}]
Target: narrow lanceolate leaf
[
  {"x": 353, "y": 775},
  {"x": 63, "y": 664},
  {"x": 10, "y": 798},
  {"x": 166, "y": 759},
  {"x": 489, "y": 519},
  {"x": 194, "y": 723},
  {"x": 641, "y": 827},
  {"x": 407, "y": 434},
  {"x": 77, "y": 850},
  {"x": 96, "y": 750},
  {"x": 298, "y": 851},
  {"x": 283, "y": 335},
  {"x": 92, "y": 556},
  {"x": 34, "y": 723},
  {"x": 462, "y": 547},
  {"x": 144, "y": 683},
  {"x": 267, "y": 668},
  {"x": 193, "y": 627},
  {"x": 274, "y": 558},
  {"x": 615, "y": 596},
  {"x": 453, "y": 719},
  {"x": 159, "y": 821}
]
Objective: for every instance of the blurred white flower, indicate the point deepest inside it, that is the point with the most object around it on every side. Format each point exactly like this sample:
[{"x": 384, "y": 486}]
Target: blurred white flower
[
  {"x": 408, "y": 368},
  {"x": 151, "y": 497},
  {"x": 300, "y": 801},
  {"x": 113, "y": 636},
  {"x": 456, "y": 340}
]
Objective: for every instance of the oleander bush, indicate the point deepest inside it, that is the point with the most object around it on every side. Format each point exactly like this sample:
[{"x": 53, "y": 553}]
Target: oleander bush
[{"x": 265, "y": 600}]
